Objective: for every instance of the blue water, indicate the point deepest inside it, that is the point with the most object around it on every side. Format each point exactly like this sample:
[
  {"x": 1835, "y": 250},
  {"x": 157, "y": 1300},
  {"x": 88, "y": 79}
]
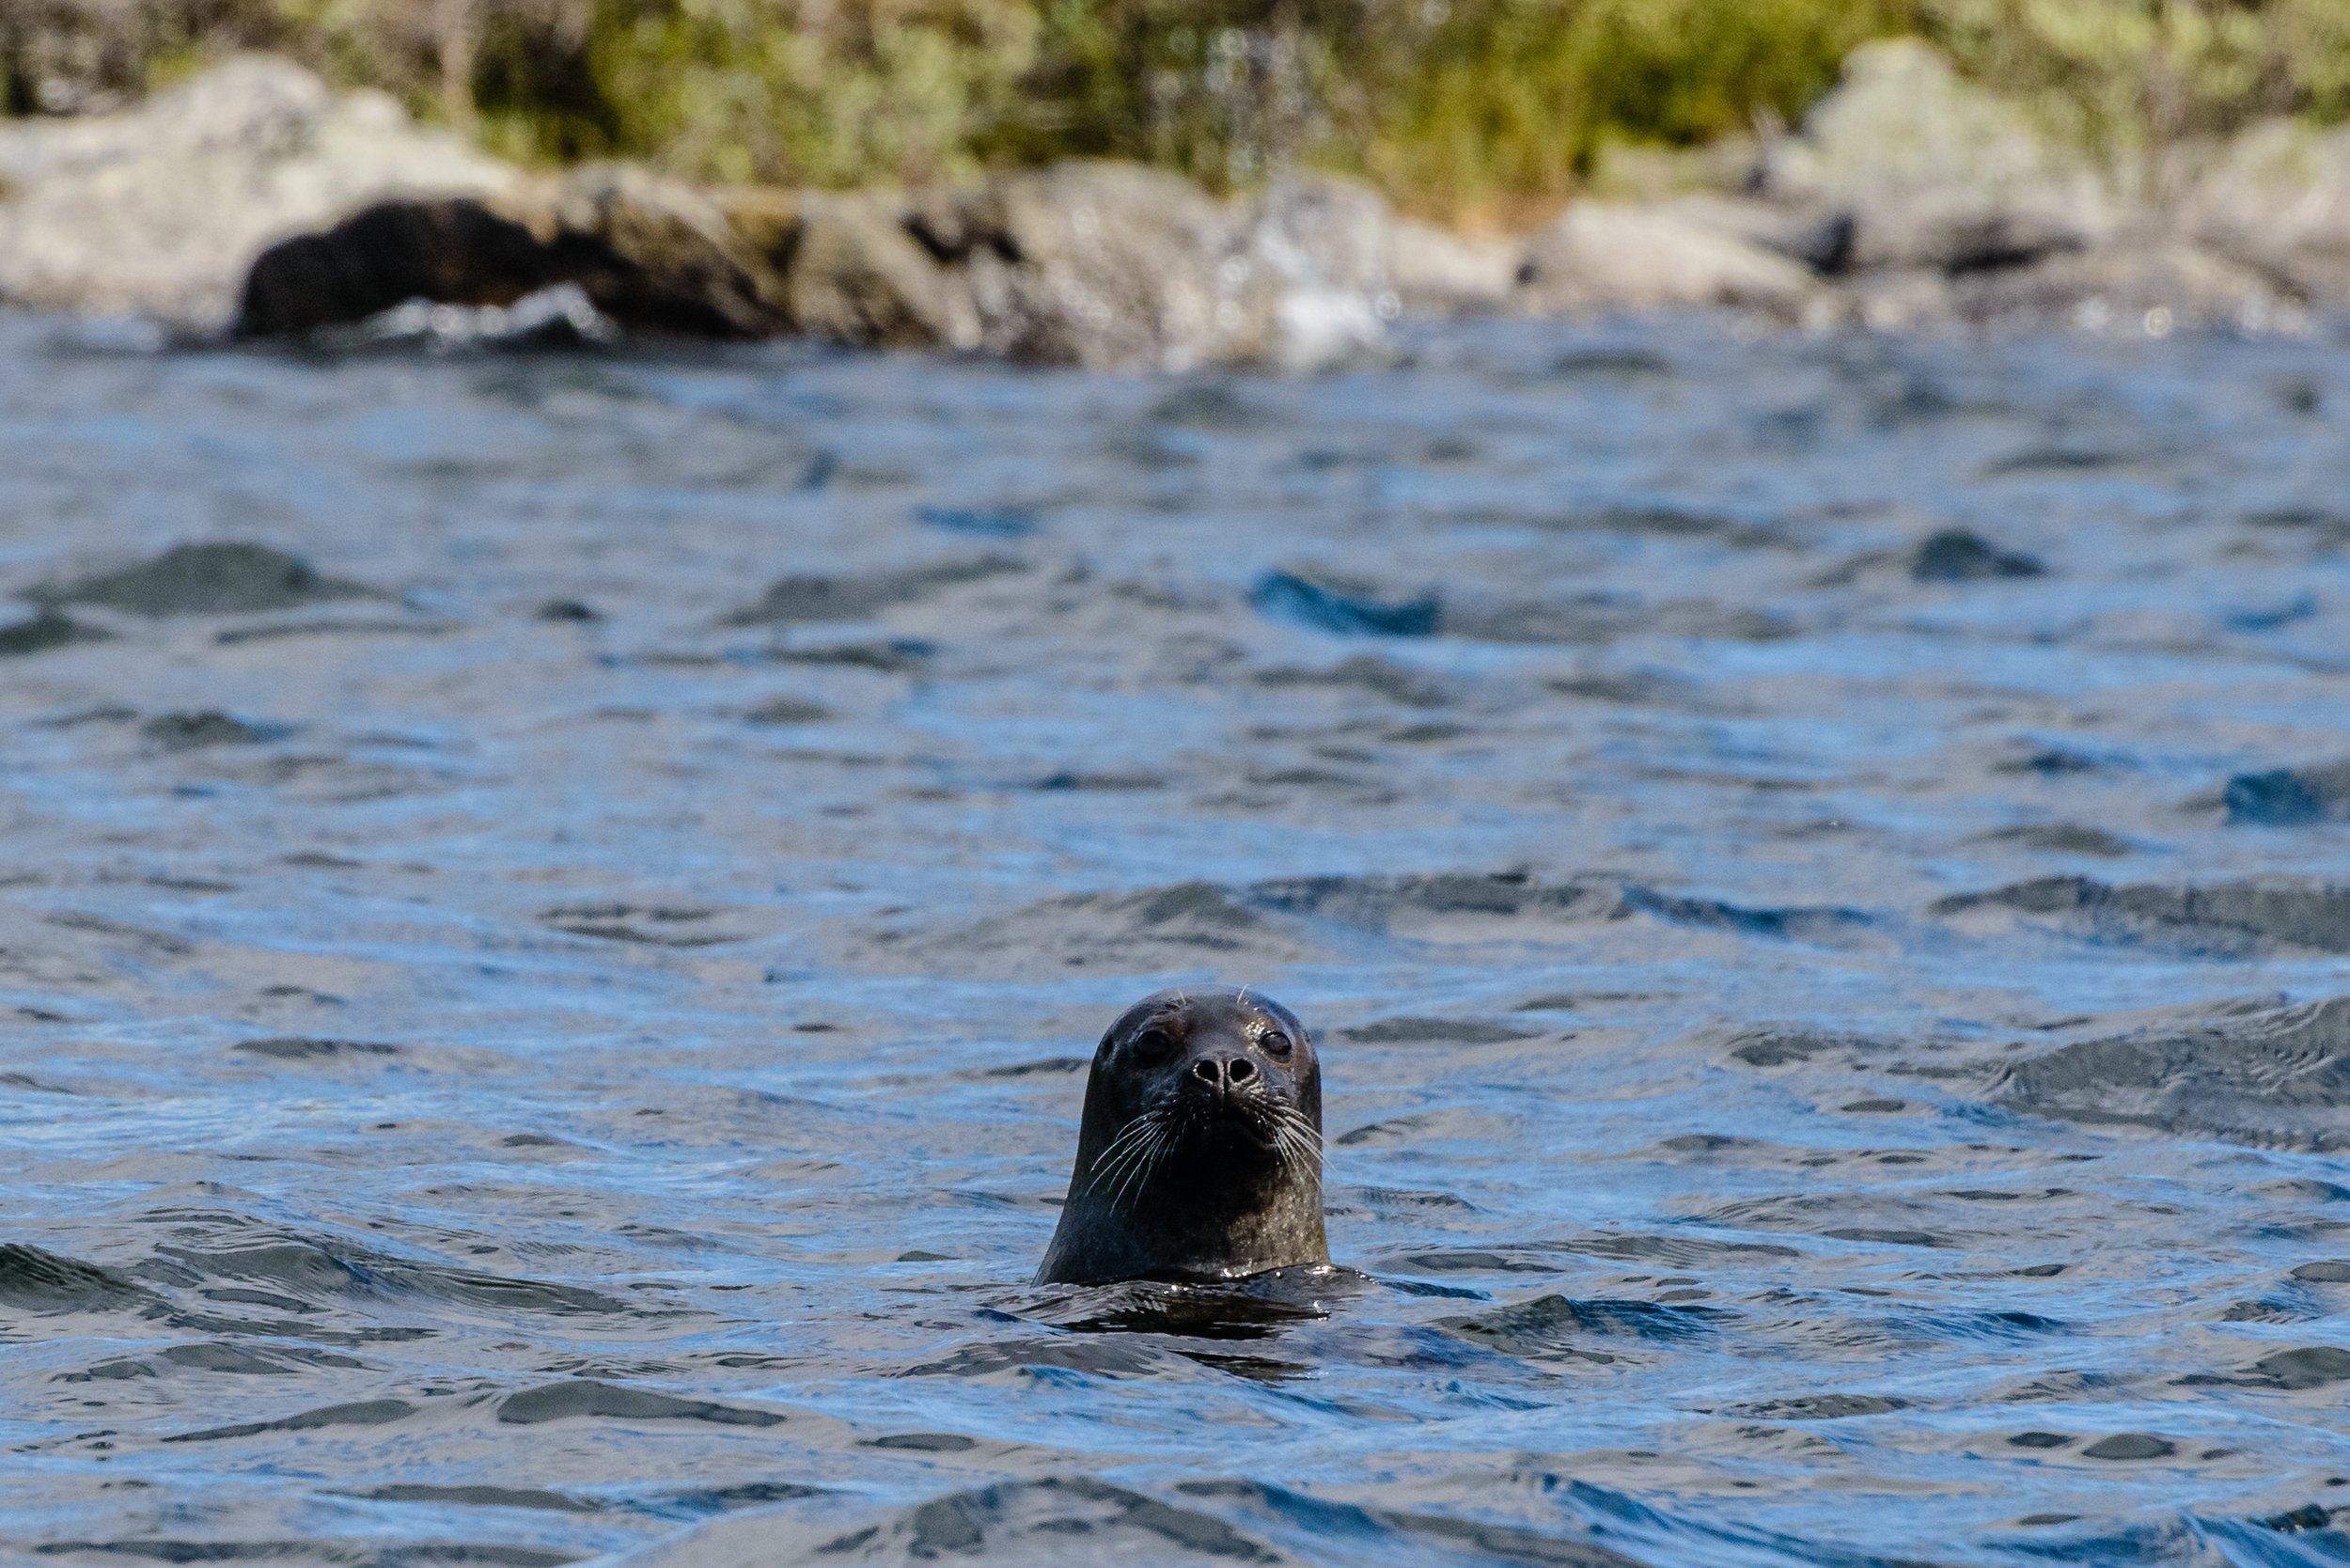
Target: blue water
[{"x": 582, "y": 1057}]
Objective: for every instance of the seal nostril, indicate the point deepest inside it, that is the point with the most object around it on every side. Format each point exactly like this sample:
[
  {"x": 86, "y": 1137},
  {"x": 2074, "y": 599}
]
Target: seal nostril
[
  {"x": 1208, "y": 1073},
  {"x": 1240, "y": 1070}
]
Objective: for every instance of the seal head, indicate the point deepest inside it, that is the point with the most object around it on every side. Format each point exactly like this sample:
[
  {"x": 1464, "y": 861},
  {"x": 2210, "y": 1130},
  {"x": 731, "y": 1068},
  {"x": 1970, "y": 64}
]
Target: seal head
[{"x": 1200, "y": 1153}]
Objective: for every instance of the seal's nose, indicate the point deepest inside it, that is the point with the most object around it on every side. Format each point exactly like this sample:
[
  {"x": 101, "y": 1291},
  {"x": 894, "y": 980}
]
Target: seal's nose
[{"x": 1224, "y": 1075}]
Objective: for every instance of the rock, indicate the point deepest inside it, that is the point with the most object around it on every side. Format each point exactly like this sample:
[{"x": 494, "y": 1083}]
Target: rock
[
  {"x": 645, "y": 252},
  {"x": 654, "y": 253},
  {"x": 1438, "y": 271},
  {"x": 2275, "y": 199},
  {"x": 1931, "y": 172},
  {"x": 1108, "y": 265},
  {"x": 161, "y": 210},
  {"x": 1602, "y": 256},
  {"x": 1323, "y": 247},
  {"x": 1119, "y": 266},
  {"x": 1821, "y": 242},
  {"x": 858, "y": 275},
  {"x": 456, "y": 252},
  {"x": 1096, "y": 264},
  {"x": 2138, "y": 285}
]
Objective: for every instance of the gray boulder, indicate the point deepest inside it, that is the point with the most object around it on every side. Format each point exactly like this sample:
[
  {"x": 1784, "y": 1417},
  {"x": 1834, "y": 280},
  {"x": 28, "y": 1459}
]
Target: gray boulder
[
  {"x": 1108, "y": 265},
  {"x": 856, "y": 275},
  {"x": 1437, "y": 271},
  {"x": 160, "y": 211},
  {"x": 2143, "y": 283},
  {"x": 1933, "y": 172},
  {"x": 2275, "y": 199},
  {"x": 653, "y": 252},
  {"x": 1600, "y": 256},
  {"x": 1119, "y": 266}
]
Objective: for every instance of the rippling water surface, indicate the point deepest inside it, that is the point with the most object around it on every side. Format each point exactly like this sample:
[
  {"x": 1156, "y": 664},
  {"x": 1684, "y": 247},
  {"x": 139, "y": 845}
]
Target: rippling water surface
[{"x": 1813, "y": 862}]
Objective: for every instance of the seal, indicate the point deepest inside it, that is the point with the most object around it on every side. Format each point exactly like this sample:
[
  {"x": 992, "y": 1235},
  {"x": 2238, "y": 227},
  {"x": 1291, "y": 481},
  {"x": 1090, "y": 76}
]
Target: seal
[{"x": 1199, "y": 1157}]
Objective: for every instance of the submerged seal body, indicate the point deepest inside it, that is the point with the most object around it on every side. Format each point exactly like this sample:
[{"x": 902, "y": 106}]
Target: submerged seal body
[{"x": 1200, "y": 1153}]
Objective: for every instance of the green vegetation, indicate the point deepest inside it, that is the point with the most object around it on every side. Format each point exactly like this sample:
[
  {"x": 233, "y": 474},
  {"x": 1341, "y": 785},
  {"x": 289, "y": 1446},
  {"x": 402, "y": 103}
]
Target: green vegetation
[{"x": 1458, "y": 106}]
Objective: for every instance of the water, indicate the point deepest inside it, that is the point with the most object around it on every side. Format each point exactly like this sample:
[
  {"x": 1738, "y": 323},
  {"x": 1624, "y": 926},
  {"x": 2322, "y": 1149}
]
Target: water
[{"x": 572, "y": 1060}]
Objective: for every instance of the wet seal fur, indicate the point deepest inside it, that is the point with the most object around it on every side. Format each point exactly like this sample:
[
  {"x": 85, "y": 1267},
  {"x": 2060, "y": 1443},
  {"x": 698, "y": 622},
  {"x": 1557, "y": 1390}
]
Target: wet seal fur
[{"x": 1199, "y": 1157}]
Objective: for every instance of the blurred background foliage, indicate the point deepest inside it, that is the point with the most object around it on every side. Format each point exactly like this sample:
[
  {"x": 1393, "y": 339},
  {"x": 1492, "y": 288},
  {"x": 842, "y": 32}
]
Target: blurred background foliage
[{"x": 1460, "y": 108}]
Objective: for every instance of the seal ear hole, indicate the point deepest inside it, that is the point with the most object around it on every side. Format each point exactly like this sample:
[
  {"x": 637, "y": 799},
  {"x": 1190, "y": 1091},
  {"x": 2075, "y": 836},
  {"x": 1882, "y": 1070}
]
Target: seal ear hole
[{"x": 1152, "y": 1046}]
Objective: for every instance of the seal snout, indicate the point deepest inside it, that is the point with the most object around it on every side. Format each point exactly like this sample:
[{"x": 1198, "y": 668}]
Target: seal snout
[{"x": 1225, "y": 1073}]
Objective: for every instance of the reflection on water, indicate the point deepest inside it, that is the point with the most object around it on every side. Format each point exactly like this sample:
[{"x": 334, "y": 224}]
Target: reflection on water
[{"x": 548, "y": 1001}]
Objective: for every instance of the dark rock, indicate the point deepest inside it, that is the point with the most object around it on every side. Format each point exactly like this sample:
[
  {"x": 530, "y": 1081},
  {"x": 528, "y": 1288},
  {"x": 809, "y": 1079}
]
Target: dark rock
[
  {"x": 1957, "y": 555},
  {"x": 456, "y": 252},
  {"x": 206, "y": 579},
  {"x": 645, "y": 252}
]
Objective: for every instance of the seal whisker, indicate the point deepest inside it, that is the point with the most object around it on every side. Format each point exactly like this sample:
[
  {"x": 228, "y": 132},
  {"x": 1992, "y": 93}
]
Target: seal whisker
[
  {"x": 1299, "y": 1140},
  {"x": 1137, "y": 1177},
  {"x": 1293, "y": 1148},
  {"x": 1133, "y": 1141}
]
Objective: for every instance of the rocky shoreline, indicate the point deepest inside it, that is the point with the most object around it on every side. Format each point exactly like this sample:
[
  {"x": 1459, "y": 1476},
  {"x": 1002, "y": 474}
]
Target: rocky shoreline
[{"x": 254, "y": 201}]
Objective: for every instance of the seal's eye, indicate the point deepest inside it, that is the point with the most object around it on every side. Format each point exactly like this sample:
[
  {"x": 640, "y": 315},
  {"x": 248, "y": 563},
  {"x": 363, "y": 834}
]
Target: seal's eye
[
  {"x": 1274, "y": 1043},
  {"x": 1151, "y": 1046}
]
